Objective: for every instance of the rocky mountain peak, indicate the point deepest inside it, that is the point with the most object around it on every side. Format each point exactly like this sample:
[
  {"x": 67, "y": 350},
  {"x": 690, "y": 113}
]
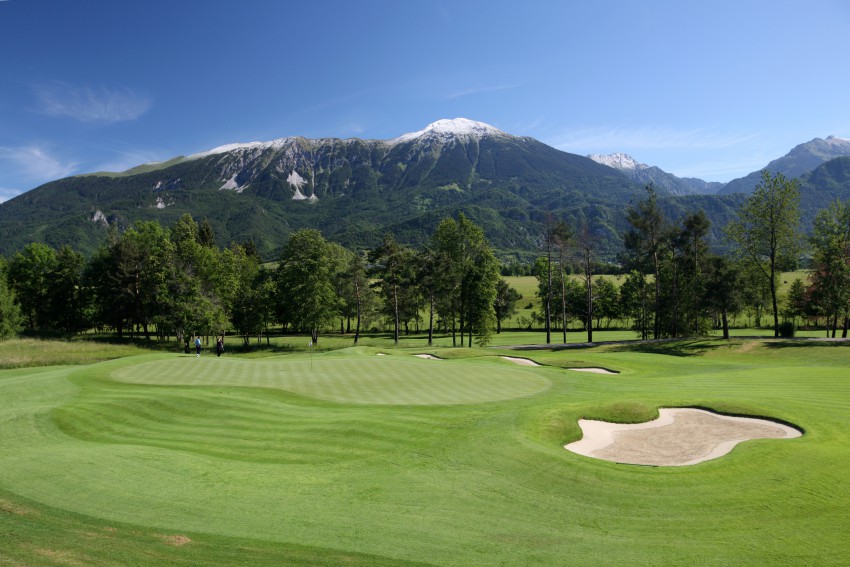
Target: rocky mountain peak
[
  {"x": 445, "y": 128},
  {"x": 618, "y": 161}
]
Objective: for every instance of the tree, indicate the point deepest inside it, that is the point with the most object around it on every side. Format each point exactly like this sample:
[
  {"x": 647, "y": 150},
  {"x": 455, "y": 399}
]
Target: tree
[
  {"x": 428, "y": 279},
  {"x": 645, "y": 240},
  {"x": 30, "y": 272},
  {"x": 505, "y": 304},
  {"x": 548, "y": 246},
  {"x": 357, "y": 295},
  {"x": 447, "y": 273},
  {"x": 130, "y": 277},
  {"x": 634, "y": 302},
  {"x": 606, "y": 304},
  {"x": 249, "y": 308},
  {"x": 307, "y": 298},
  {"x": 562, "y": 237},
  {"x": 192, "y": 304},
  {"x": 206, "y": 236},
  {"x": 469, "y": 274},
  {"x": 831, "y": 277},
  {"x": 10, "y": 313},
  {"x": 767, "y": 229},
  {"x": 796, "y": 301},
  {"x": 722, "y": 289},
  {"x": 66, "y": 291},
  {"x": 693, "y": 247},
  {"x": 586, "y": 249},
  {"x": 393, "y": 267}
]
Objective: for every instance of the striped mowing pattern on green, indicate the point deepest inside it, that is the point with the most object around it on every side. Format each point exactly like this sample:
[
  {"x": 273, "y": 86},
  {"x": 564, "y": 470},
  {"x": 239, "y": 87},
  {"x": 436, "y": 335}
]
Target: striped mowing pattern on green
[{"x": 394, "y": 380}]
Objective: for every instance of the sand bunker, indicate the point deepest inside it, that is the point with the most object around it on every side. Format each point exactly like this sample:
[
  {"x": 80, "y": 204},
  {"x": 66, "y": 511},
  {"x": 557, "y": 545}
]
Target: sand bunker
[
  {"x": 594, "y": 370},
  {"x": 680, "y": 436},
  {"x": 428, "y": 356},
  {"x": 521, "y": 361}
]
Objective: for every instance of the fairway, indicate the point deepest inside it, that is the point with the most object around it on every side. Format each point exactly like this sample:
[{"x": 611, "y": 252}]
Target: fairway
[{"x": 398, "y": 460}]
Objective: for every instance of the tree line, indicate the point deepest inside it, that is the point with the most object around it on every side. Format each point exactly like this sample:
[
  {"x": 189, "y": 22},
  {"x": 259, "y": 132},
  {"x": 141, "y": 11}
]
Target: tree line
[{"x": 152, "y": 281}]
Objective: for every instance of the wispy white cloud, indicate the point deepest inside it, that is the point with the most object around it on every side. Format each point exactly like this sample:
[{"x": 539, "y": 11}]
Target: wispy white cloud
[
  {"x": 128, "y": 158},
  {"x": 721, "y": 169},
  {"x": 91, "y": 104},
  {"x": 626, "y": 138},
  {"x": 525, "y": 127},
  {"x": 706, "y": 153},
  {"x": 6, "y": 193},
  {"x": 35, "y": 164},
  {"x": 480, "y": 90}
]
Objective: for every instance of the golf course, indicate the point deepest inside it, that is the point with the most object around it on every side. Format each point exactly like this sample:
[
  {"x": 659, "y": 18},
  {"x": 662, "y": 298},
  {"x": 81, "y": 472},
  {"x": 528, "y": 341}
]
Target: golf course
[{"x": 376, "y": 456}]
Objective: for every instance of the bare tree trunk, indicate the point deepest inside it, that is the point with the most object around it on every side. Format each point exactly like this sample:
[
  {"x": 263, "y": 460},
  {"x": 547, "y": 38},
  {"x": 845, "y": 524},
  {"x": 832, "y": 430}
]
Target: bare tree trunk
[
  {"x": 431, "y": 320},
  {"x": 395, "y": 301}
]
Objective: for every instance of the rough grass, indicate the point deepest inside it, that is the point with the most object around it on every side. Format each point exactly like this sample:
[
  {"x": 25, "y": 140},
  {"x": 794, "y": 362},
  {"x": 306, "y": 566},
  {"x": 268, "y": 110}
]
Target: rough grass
[
  {"x": 97, "y": 468},
  {"x": 23, "y": 353}
]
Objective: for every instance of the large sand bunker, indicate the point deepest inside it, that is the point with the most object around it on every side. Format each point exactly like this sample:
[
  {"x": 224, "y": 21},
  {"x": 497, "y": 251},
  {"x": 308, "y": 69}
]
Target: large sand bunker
[{"x": 680, "y": 436}]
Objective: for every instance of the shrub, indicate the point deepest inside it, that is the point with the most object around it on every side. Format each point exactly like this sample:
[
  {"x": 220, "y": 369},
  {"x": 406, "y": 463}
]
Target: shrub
[{"x": 786, "y": 329}]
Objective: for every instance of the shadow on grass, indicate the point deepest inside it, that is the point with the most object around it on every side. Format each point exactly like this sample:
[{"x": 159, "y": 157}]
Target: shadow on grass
[
  {"x": 806, "y": 343},
  {"x": 674, "y": 347}
]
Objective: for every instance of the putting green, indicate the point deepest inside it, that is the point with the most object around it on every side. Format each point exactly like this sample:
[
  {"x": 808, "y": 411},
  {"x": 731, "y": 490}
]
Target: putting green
[{"x": 360, "y": 379}]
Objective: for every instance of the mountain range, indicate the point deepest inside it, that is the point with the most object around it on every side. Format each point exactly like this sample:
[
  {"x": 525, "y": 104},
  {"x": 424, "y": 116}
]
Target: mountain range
[
  {"x": 646, "y": 174},
  {"x": 356, "y": 190},
  {"x": 801, "y": 160}
]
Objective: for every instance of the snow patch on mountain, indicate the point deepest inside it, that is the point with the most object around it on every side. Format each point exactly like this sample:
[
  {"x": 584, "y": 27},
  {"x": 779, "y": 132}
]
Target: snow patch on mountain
[
  {"x": 836, "y": 141},
  {"x": 274, "y": 144},
  {"x": 445, "y": 128},
  {"x": 297, "y": 182},
  {"x": 231, "y": 185},
  {"x": 618, "y": 161}
]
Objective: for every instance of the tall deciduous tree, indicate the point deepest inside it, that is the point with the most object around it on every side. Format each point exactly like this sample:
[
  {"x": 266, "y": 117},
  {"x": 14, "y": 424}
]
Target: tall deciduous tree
[
  {"x": 307, "y": 298},
  {"x": 767, "y": 229},
  {"x": 30, "y": 272},
  {"x": 471, "y": 273},
  {"x": 193, "y": 304}
]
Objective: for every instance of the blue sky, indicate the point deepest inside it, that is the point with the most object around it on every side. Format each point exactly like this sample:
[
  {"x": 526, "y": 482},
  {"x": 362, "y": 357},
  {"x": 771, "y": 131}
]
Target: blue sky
[{"x": 704, "y": 89}]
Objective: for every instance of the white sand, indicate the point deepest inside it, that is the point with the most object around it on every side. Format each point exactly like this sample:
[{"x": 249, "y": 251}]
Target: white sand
[
  {"x": 427, "y": 356},
  {"x": 521, "y": 361},
  {"x": 594, "y": 370},
  {"x": 680, "y": 436}
]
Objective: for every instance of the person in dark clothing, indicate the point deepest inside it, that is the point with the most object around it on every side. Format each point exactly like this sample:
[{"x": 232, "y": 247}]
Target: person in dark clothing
[{"x": 219, "y": 346}]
